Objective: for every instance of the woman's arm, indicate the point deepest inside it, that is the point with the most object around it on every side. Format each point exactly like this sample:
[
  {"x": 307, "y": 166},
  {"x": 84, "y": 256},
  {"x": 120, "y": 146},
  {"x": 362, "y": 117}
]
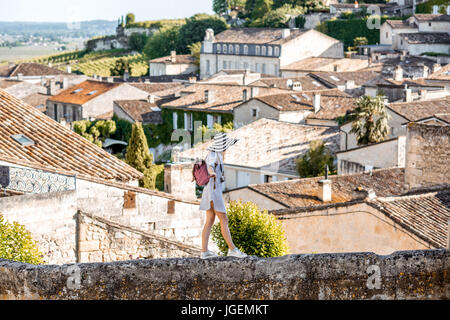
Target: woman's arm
[{"x": 212, "y": 157}]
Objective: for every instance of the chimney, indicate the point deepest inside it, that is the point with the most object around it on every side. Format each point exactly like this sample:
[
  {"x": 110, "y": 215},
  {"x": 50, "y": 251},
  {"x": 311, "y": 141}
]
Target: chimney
[
  {"x": 151, "y": 98},
  {"x": 20, "y": 77},
  {"x": 192, "y": 79},
  {"x": 286, "y": 33},
  {"x": 297, "y": 86},
  {"x": 254, "y": 92},
  {"x": 398, "y": 73},
  {"x": 316, "y": 102},
  {"x": 325, "y": 189},
  {"x": 51, "y": 88},
  {"x": 349, "y": 84},
  {"x": 69, "y": 69},
  {"x": 408, "y": 95},
  {"x": 244, "y": 95},
  {"x": 210, "y": 96},
  {"x": 65, "y": 83},
  {"x": 356, "y": 4},
  {"x": 173, "y": 56},
  {"x": 423, "y": 94}
]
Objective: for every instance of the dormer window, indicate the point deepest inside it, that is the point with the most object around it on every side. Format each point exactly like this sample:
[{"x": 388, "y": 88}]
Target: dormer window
[
  {"x": 236, "y": 49},
  {"x": 225, "y": 48},
  {"x": 270, "y": 51},
  {"x": 246, "y": 49},
  {"x": 219, "y": 48},
  {"x": 230, "y": 49},
  {"x": 264, "y": 51},
  {"x": 277, "y": 51},
  {"x": 258, "y": 50},
  {"x": 23, "y": 140}
]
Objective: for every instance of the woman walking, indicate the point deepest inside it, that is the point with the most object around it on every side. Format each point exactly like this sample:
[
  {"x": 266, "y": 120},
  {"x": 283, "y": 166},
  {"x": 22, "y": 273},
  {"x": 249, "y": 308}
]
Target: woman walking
[{"x": 212, "y": 198}]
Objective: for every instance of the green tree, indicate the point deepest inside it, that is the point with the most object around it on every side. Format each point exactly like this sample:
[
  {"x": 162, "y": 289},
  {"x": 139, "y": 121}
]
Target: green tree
[
  {"x": 278, "y": 18},
  {"x": 313, "y": 163},
  {"x": 130, "y": 18},
  {"x": 162, "y": 42},
  {"x": 370, "y": 120},
  {"x": 194, "y": 29},
  {"x": 138, "y": 156},
  {"x": 17, "y": 244},
  {"x": 360, "y": 41},
  {"x": 221, "y": 7},
  {"x": 253, "y": 231},
  {"x": 106, "y": 128},
  {"x": 137, "y": 41},
  {"x": 261, "y": 8},
  {"x": 195, "y": 49},
  {"x": 120, "y": 67}
]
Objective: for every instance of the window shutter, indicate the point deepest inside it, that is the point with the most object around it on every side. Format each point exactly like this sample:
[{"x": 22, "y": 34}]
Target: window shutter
[{"x": 209, "y": 121}]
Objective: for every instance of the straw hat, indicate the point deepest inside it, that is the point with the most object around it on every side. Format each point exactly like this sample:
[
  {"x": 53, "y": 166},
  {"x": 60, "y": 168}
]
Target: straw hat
[{"x": 221, "y": 142}]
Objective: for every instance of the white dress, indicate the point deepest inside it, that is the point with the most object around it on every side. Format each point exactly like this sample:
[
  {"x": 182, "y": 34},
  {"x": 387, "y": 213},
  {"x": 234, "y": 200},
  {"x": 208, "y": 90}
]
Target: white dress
[{"x": 210, "y": 193}]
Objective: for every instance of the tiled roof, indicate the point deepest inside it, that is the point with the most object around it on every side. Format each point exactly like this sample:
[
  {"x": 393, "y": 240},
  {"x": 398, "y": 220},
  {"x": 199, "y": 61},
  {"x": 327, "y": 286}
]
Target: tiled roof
[
  {"x": 417, "y": 110},
  {"x": 271, "y": 145},
  {"x": 441, "y": 74},
  {"x": 401, "y": 24},
  {"x": 55, "y": 147},
  {"x": 257, "y": 35},
  {"x": 71, "y": 95},
  {"x": 432, "y": 17},
  {"x": 333, "y": 103},
  {"x": 179, "y": 59},
  {"x": 227, "y": 97},
  {"x": 141, "y": 110},
  {"x": 159, "y": 87},
  {"x": 326, "y": 64},
  {"x": 307, "y": 83},
  {"x": 426, "y": 214},
  {"x": 426, "y": 37},
  {"x": 339, "y": 78},
  {"x": 4, "y": 84},
  {"x": 29, "y": 70},
  {"x": 303, "y": 193}
]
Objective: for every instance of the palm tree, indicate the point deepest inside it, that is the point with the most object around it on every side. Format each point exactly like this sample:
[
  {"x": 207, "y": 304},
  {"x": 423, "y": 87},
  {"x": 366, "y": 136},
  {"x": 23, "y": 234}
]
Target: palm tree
[{"x": 370, "y": 120}]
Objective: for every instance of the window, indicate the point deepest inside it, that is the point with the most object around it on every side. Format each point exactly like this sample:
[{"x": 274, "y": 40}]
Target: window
[
  {"x": 187, "y": 121},
  {"x": 263, "y": 68},
  {"x": 230, "y": 49},
  {"x": 257, "y": 50},
  {"x": 209, "y": 121},
  {"x": 219, "y": 48},
  {"x": 263, "y": 51},
  {"x": 175, "y": 121},
  {"x": 429, "y": 24},
  {"x": 78, "y": 90},
  {"x": 245, "y": 65},
  {"x": 23, "y": 140},
  {"x": 74, "y": 114},
  {"x": 245, "y": 49},
  {"x": 267, "y": 179},
  {"x": 55, "y": 112},
  {"x": 277, "y": 51},
  {"x": 92, "y": 92},
  {"x": 387, "y": 35},
  {"x": 219, "y": 119},
  {"x": 64, "y": 111},
  {"x": 208, "y": 67},
  {"x": 225, "y": 48},
  {"x": 270, "y": 51},
  {"x": 236, "y": 49},
  {"x": 258, "y": 68},
  {"x": 224, "y": 64},
  {"x": 254, "y": 112}
]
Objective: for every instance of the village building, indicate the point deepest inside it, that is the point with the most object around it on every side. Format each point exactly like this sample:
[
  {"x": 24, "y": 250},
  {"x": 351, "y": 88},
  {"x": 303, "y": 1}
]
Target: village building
[
  {"x": 263, "y": 50},
  {"x": 267, "y": 150},
  {"x": 89, "y": 99},
  {"x": 67, "y": 192},
  {"x": 381, "y": 211},
  {"x": 236, "y": 77},
  {"x": 30, "y": 71},
  {"x": 318, "y": 107},
  {"x": 173, "y": 65},
  {"x": 143, "y": 111},
  {"x": 315, "y": 64}
]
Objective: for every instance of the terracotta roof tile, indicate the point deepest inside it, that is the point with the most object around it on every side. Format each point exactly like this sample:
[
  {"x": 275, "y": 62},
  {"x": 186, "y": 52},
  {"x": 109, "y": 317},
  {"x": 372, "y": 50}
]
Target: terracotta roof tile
[
  {"x": 81, "y": 93},
  {"x": 441, "y": 74},
  {"x": 401, "y": 24},
  {"x": 432, "y": 17},
  {"x": 307, "y": 82},
  {"x": 326, "y": 64},
  {"x": 339, "y": 78},
  {"x": 29, "y": 70},
  {"x": 257, "y": 35},
  {"x": 417, "y": 110},
  {"x": 141, "y": 110},
  {"x": 426, "y": 215},
  {"x": 160, "y": 88},
  {"x": 303, "y": 193},
  {"x": 426, "y": 37},
  {"x": 179, "y": 59},
  {"x": 55, "y": 147},
  {"x": 271, "y": 145}
]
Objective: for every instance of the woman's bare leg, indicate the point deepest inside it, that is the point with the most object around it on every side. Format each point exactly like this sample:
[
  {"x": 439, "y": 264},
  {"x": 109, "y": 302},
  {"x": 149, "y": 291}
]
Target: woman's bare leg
[
  {"x": 210, "y": 217},
  {"x": 225, "y": 229}
]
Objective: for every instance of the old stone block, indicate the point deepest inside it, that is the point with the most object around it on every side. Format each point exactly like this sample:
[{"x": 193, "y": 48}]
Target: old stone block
[{"x": 92, "y": 245}]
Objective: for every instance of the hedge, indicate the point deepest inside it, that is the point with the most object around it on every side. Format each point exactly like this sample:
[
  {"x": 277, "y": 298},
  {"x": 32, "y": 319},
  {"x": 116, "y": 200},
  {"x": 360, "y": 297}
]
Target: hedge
[{"x": 427, "y": 7}]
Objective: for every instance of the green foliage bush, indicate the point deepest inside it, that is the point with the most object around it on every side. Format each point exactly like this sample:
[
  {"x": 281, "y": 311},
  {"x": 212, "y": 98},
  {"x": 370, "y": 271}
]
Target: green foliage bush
[
  {"x": 255, "y": 232},
  {"x": 17, "y": 244},
  {"x": 162, "y": 42},
  {"x": 95, "y": 131},
  {"x": 427, "y": 7},
  {"x": 313, "y": 163}
]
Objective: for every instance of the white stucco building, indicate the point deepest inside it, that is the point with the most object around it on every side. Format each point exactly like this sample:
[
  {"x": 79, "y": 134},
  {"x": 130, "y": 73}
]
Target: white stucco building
[{"x": 263, "y": 50}]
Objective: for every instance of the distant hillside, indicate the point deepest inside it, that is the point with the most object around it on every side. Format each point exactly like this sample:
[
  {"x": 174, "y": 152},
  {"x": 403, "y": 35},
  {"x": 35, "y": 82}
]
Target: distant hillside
[{"x": 85, "y": 29}]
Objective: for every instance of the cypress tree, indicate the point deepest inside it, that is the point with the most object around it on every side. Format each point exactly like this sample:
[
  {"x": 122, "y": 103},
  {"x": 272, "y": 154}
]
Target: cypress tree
[{"x": 138, "y": 156}]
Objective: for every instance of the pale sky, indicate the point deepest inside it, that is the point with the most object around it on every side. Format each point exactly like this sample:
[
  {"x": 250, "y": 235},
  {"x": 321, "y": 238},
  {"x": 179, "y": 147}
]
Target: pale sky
[{"x": 83, "y": 10}]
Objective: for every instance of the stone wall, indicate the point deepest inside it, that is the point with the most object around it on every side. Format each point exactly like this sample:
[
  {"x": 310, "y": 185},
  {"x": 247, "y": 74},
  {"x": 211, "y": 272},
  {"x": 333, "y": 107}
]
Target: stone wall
[
  {"x": 427, "y": 155},
  {"x": 100, "y": 240},
  {"x": 403, "y": 275}
]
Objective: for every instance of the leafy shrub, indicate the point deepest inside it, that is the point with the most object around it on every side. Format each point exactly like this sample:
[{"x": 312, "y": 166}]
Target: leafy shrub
[
  {"x": 17, "y": 244},
  {"x": 254, "y": 232},
  {"x": 314, "y": 162}
]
